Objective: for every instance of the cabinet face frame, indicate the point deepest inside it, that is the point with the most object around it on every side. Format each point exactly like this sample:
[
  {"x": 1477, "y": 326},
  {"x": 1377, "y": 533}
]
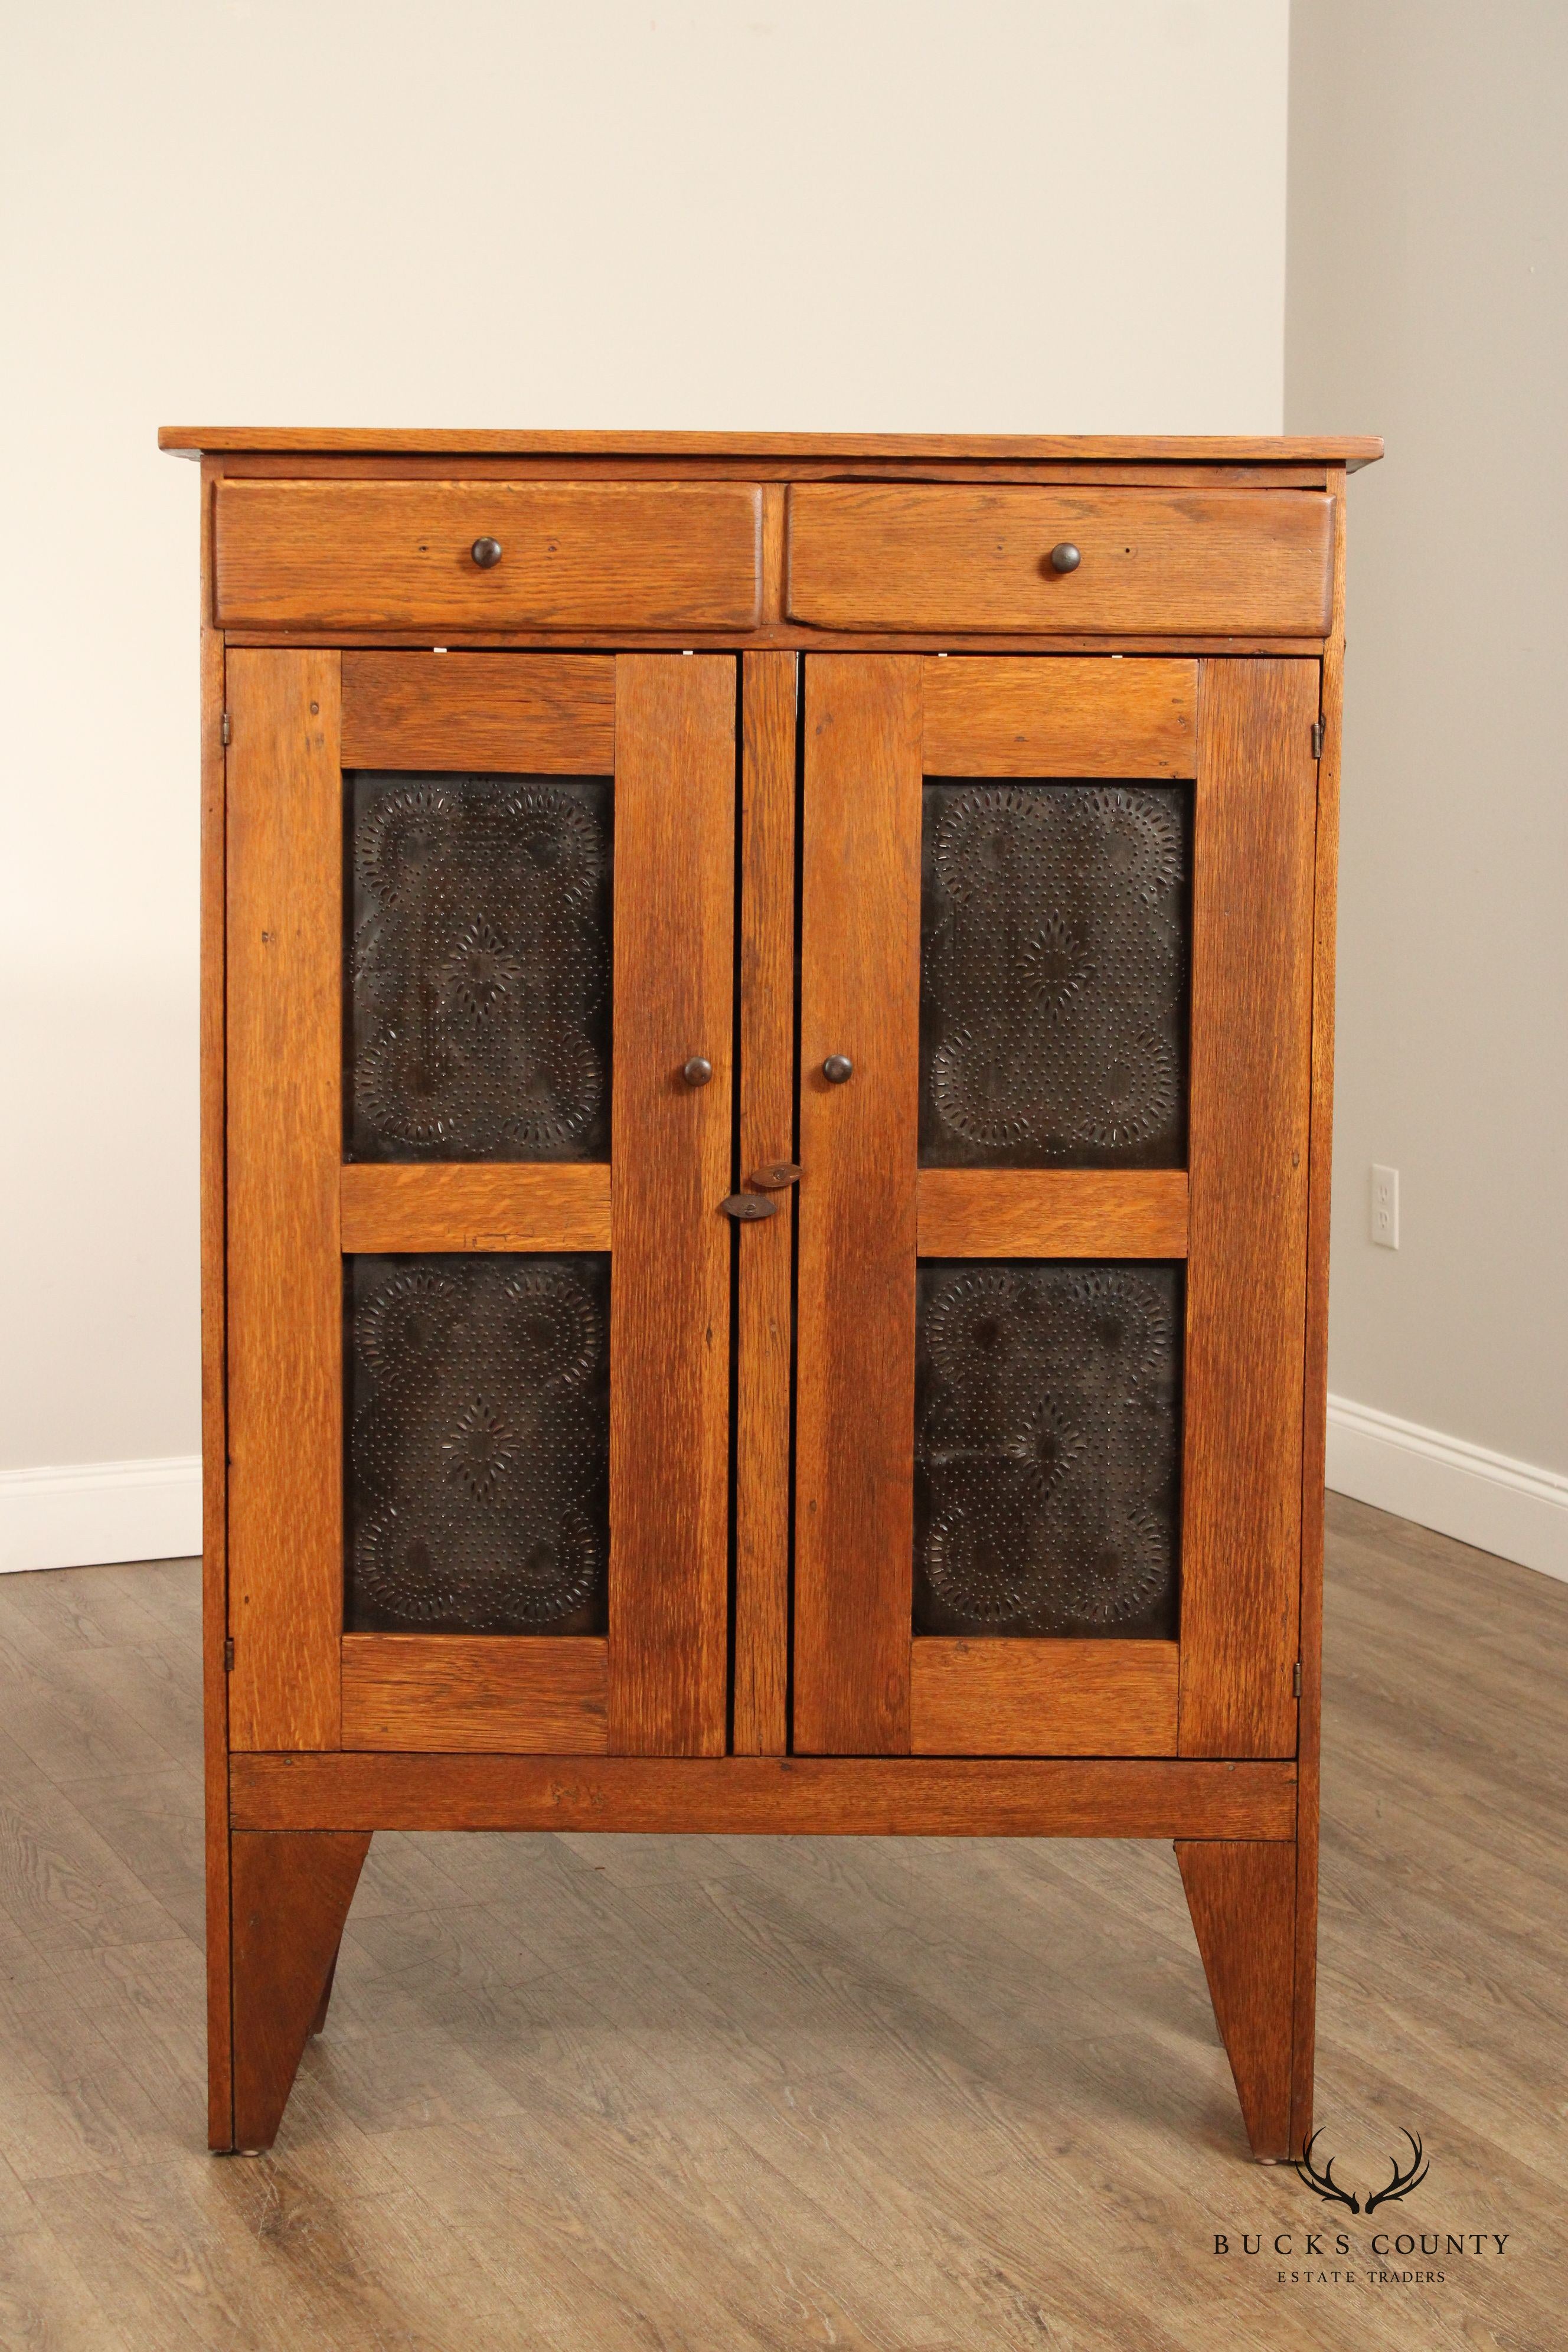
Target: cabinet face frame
[
  {"x": 876, "y": 726},
  {"x": 658, "y": 1683}
]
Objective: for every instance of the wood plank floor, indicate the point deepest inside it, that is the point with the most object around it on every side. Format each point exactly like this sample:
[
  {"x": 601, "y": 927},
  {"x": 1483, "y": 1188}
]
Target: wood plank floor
[{"x": 654, "y": 2094}]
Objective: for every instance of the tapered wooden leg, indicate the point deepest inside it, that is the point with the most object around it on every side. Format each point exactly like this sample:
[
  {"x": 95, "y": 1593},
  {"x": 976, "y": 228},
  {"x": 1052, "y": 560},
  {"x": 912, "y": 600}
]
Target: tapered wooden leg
[
  {"x": 319, "y": 2022},
  {"x": 1242, "y": 1896},
  {"x": 291, "y": 1892}
]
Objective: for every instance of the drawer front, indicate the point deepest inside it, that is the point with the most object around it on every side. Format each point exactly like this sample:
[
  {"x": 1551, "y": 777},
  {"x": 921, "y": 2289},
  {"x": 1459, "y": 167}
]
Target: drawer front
[
  {"x": 398, "y": 555},
  {"x": 885, "y": 556}
]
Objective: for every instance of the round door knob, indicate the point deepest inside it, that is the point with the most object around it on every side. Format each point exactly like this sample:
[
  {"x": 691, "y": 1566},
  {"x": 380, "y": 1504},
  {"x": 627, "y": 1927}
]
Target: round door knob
[
  {"x": 838, "y": 1068},
  {"x": 1065, "y": 558},
  {"x": 697, "y": 1071},
  {"x": 486, "y": 553}
]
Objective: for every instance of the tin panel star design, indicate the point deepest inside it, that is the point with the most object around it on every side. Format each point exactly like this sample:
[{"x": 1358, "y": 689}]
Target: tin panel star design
[
  {"x": 477, "y": 1443},
  {"x": 1047, "y": 1448},
  {"x": 478, "y": 968},
  {"x": 1054, "y": 952}
]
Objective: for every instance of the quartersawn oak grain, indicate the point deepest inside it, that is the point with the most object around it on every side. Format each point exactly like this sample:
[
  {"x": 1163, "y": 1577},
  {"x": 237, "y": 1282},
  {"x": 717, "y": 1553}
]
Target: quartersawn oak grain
[
  {"x": 911, "y": 556},
  {"x": 764, "y": 1250},
  {"x": 817, "y": 1796},
  {"x": 1042, "y": 1697},
  {"x": 368, "y": 554},
  {"x": 388, "y": 1205},
  {"x": 1059, "y": 715},
  {"x": 285, "y": 1131},
  {"x": 548, "y": 714},
  {"x": 1051, "y": 1212},
  {"x": 1253, "y": 843},
  {"x": 860, "y": 996},
  {"x": 669, "y": 1299},
  {"x": 513, "y": 1694}
]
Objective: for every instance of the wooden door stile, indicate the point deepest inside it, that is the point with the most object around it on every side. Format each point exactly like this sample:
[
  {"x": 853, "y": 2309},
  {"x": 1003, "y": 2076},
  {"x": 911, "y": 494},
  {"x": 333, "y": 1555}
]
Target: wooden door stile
[
  {"x": 671, "y": 1151},
  {"x": 765, "y": 1250},
  {"x": 860, "y": 998},
  {"x": 284, "y": 1006},
  {"x": 1247, "y": 1245}
]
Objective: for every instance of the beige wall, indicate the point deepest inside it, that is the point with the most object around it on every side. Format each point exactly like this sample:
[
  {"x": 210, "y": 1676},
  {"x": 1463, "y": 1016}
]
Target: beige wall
[
  {"x": 872, "y": 213},
  {"x": 1429, "y": 178}
]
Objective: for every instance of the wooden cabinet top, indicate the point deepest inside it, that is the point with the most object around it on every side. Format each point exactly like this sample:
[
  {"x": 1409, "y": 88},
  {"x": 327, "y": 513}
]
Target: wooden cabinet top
[{"x": 1348, "y": 450}]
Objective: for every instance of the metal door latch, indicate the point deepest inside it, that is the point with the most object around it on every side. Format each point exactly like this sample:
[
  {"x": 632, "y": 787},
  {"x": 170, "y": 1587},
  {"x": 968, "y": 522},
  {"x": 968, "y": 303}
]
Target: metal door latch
[
  {"x": 775, "y": 1176},
  {"x": 747, "y": 1207}
]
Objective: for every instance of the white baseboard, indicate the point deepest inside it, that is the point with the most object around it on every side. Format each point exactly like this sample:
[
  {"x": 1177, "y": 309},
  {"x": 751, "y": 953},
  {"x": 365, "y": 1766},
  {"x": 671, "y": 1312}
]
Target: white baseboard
[
  {"x": 91, "y": 1512},
  {"x": 1467, "y": 1491}
]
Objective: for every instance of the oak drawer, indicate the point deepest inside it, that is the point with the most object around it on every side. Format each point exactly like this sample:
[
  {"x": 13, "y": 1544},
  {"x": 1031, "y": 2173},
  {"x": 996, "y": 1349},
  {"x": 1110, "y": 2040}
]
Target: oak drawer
[
  {"x": 896, "y": 556},
  {"x": 397, "y": 555}
]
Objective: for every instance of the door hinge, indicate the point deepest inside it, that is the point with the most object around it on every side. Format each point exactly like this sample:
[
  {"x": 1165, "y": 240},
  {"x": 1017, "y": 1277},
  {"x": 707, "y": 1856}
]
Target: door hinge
[
  {"x": 1295, "y": 1677},
  {"x": 1317, "y": 738},
  {"x": 224, "y": 729},
  {"x": 228, "y": 1655}
]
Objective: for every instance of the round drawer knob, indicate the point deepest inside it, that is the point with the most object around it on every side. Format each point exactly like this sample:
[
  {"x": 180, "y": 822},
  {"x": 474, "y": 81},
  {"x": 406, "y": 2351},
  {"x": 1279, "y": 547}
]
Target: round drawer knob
[
  {"x": 1065, "y": 558},
  {"x": 837, "y": 1069},
  {"x": 486, "y": 553},
  {"x": 697, "y": 1071}
]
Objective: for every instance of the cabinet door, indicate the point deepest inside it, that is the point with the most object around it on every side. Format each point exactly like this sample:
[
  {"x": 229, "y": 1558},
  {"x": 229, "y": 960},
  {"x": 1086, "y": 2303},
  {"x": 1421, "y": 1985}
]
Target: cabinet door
[
  {"x": 1057, "y": 918},
  {"x": 479, "y": 919}
]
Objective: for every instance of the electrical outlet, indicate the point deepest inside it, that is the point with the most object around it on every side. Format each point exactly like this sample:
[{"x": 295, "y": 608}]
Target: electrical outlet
[{"x": 1386, "y": 1207}]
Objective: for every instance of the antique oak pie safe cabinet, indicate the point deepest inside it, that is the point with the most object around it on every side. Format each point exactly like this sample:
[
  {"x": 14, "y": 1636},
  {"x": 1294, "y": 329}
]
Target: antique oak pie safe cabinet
[{"x": 767, "y": 1047}]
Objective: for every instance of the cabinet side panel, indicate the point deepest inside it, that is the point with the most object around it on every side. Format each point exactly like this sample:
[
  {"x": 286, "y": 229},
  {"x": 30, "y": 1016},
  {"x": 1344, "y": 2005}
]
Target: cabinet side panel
[
  {"x": 669, "y": 1283},
  {"x": 766, "y": 1249},
  {"x": 1246, "y": 1244},
  {"x": 215, "y": 1413},
  {"x": 855, "y": 1398},
  {"x": 285, "y": 1277},
  {"x": 1315, "y": 1408}
]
